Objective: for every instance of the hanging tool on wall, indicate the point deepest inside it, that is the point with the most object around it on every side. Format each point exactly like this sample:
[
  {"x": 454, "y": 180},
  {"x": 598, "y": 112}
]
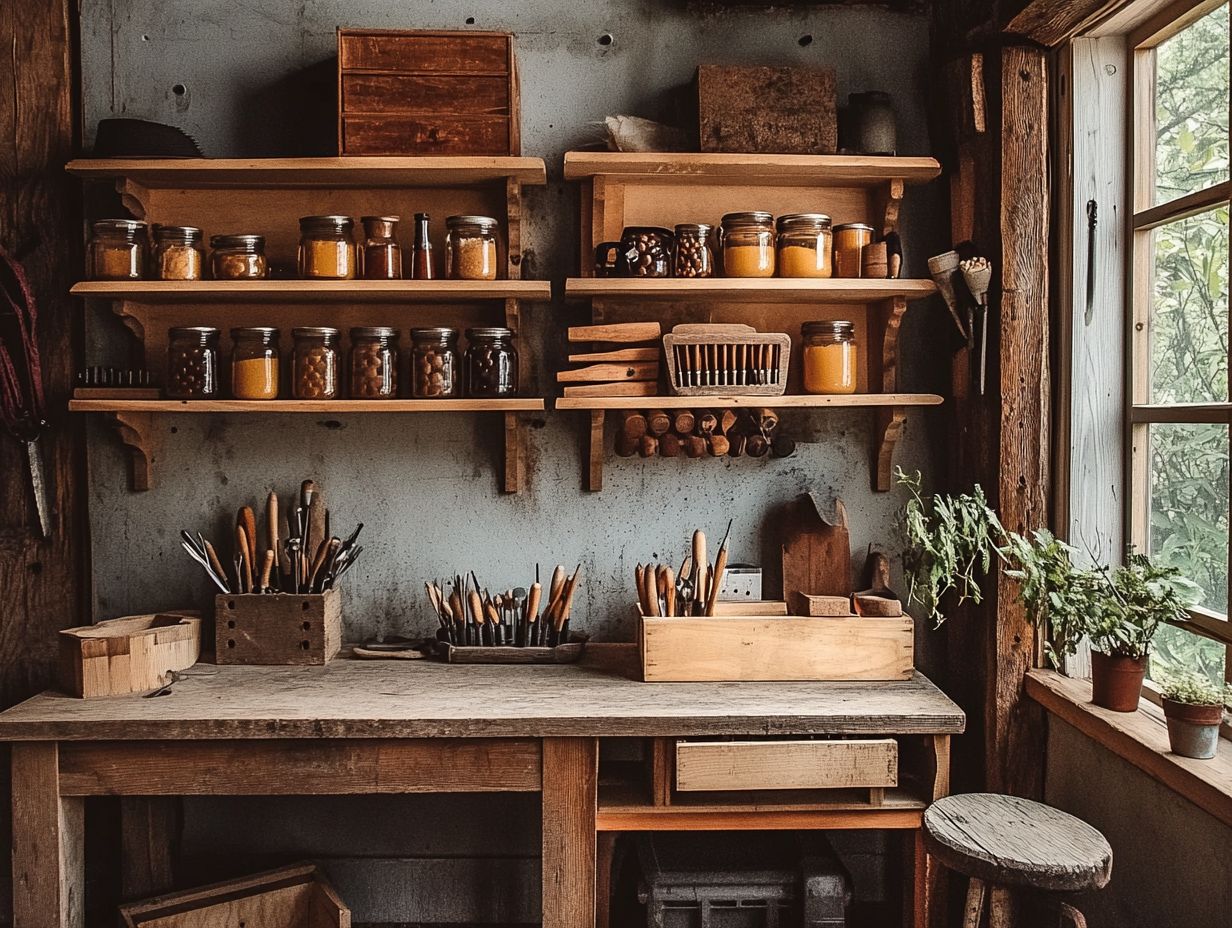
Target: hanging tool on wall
[
  {"x": 22, "y": 405},
  {"x": 977, "y": 274}
]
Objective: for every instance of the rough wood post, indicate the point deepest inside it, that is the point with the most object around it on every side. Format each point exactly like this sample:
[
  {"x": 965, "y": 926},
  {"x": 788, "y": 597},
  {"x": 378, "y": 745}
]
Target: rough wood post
[
  {"x": 149, "y": 837},
  {"x": 48, "y": 842},
  {"x": 570, "y": 801}
]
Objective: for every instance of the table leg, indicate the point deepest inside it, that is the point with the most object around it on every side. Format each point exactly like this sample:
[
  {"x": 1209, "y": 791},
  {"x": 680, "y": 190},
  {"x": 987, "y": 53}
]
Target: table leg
[
  {"x": 915, "y": 893},
  {"x": 606, "y": 848},
  {"x": 149, "y": 837},
  {"x": 48, "y": 842},
  {"x": 570, "y": 803}
]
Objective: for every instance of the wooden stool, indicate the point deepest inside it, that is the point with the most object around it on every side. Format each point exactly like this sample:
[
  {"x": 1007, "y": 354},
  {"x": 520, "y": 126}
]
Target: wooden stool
[{"x": 1004, "y": 841}]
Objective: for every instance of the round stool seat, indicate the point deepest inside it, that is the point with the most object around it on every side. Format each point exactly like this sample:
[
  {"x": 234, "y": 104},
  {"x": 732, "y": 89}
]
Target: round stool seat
[{"x": 1016, "y": 842}]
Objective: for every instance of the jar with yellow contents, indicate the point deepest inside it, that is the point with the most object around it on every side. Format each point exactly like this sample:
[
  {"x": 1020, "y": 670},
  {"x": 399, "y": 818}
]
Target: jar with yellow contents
[
  {"x": 804, "y": 245},
  {"x": 254, "y": 363},
  {"x": 830, "y": 365},
  {"x": 326, "y": 248},
  {"x": 748, "y": 244}
]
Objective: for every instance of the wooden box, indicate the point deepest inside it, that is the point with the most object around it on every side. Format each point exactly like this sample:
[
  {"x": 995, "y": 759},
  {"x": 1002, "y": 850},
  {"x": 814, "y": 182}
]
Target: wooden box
[
  {"x": 726, "y": 360},
  {"x": 731, "y": 646},
  {"x": 278, "y": 628},
  {"x": 870, "y": 763},
  {"x": 128, "y": 655},
  {"x": 767, "y": 110},
  {"x": 427, "y": 93},
  {"x": 292, "y": 897}
]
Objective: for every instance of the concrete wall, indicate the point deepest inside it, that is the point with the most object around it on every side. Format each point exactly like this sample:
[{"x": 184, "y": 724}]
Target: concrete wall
[{"x": 1172, "y": 862}]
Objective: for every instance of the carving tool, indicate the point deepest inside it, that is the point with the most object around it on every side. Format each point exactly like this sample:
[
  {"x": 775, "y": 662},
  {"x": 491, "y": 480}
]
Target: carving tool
[{"x": 720, "y": 567}]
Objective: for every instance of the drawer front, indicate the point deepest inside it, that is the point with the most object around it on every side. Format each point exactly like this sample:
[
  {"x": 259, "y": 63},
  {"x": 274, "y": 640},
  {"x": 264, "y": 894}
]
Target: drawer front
[
  {"x": 393, "y": 52},
  {"x": 425, "y": 93},
  {"x": 425, "y": 135},
  {"x": 773, "y": 765}
]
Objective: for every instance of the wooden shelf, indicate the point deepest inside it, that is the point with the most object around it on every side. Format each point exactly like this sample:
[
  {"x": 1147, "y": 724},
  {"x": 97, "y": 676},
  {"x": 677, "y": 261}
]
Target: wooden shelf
[
  {"x": 312, "y": 291},
  {"x": 859, "y": 400},
  {"x": 264, "y": 173},
  {"x": 750, "y": 169},
  {"x": 768, "y": 290},
  {"x": 317, "y": 407}
]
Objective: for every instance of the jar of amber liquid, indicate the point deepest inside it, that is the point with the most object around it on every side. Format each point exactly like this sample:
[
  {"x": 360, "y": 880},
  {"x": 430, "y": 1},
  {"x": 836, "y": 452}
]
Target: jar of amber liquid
[
  {"x": 748, "y": 244},
  {"x": 238, "y": 257},
  {"x": 254, "y": 363},
  {"x": 380, "y": 256},
  {"x": 117, "y": 249},
  {"x": 178, "y": 254},
  {"x": 326, "y": 248},
  {"x": 829, "y": 357},
  {"x": 314, "y": 365},
  {"x": 849, "y": 241},
  {"x": 192, "y": 363},
  {"x": 435, "y": 372},
  {"x": 470, "y": 247},
  {"x": 374, "y": 363},
  {"x": 804, "y": 245}
]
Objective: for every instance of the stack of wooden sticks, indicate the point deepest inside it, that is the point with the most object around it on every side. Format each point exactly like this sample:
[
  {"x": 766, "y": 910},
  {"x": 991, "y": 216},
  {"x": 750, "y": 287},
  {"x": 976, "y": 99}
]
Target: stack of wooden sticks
[{"x": 734, "y": 433}]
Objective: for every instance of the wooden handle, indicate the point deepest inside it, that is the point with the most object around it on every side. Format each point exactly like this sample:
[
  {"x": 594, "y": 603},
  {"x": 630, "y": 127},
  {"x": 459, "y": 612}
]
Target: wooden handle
[
  {"x": 658, "y": 422},
  {"x": 727, "y": 419},
  {"x": 639, "y": 577},
  {"x": 701, "y": 566},
  {"x": 214, "y": 561},
  {"x": 608, "y": 373},
  {"x": 621, "y": 332},
  {"x": 241, "y": 546},
  {"x": 455, "y": 607},
  {"x": 318, "y": 562},
  {"x": 684, "y": 422},
  {"x": 707, "y": 422},
  {"x": 248, "y": 519},
  {"x": 489, "y": 610},
  {"x": 719, "y": 445},
  {"x": 267, "y": 567},
  {"x": 648, "y": 447},
  {"x": 476, "y": 604},
  {"x": 669, "y": 579},
  {"x": 650, "y": 578},
  {"x": 555, "y": 589},
  {"x": 316, "y": 520},
  {"x": 562, "y": 614},
  {"x": 271, "y": 523},
  {"x": 720, "y": 568},
  {"x": 532, "y": 602},
  {"x": 633, "y": 424}
]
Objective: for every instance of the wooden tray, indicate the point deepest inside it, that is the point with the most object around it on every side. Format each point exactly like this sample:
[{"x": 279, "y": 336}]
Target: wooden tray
[
  {"x": 726, "y": 360},
  {"x": 128, "y": 655},
  {"x": 507, "y": 654}
]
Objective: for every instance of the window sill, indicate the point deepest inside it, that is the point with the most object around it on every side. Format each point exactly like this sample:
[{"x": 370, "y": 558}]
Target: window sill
[{"x": 1141, "y": 738}]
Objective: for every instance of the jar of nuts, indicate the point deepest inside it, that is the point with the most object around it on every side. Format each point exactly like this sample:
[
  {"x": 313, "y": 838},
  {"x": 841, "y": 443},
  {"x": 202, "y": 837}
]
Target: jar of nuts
[
  {"x": 491, "y": 363},
  {"x": 192, "y": 363},
  {"x": 646, "y": 252},
  {"x": 326, "y": 248},
  {"x": 178, "y": 254},
  {"x": 314, "y": 365},
  {"x": 693, "y": 255},
  {"x": 470, "y": 247},
  {"x": 434, "y": 364},
  {"x": 374, "y": 363},
  {"x": 238, "y": 257},
  {"x": 117, "y": 249}
]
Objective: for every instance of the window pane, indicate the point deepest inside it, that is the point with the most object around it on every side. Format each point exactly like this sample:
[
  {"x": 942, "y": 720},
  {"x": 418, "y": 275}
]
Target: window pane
[
  {"x": 1189, "y": 311},
  {"x": 1176, "y": 650},
  {"x": 1189, "y": 506},
  {"x": 1191, "y": 108}
]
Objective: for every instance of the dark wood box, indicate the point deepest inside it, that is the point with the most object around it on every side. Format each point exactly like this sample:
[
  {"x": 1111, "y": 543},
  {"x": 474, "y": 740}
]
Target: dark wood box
[
  {"x": 767, "y": 110},
  {"x": 277, "y": 628},
  {"x": 427, "y": 93}
]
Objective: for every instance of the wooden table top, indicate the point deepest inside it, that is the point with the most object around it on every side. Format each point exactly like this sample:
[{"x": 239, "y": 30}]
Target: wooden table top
[{"x": 599, "y": 697}]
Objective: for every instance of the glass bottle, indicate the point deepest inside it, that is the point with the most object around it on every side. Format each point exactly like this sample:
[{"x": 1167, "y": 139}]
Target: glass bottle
[
  {"x": 192, "y": 363},
  {"x": 421, "y": 255},
  {"x": 470, "y": 247},
  {"x": 434, "y": 364},
  {"x": 381, "y": 255},
  {"x": 829, "y": 357},
  {"x": 314, "y": 365},
  {"x": 693, "y": 255},
  {"x": 254, "y": 363},
  {"x": 326, "y": 248},
  {"x": 748, "y": 244},
  {"x": 374, "y": 363},
  {"x": 118, "y": 249},
  {"x": 238, "y": 257},
  {"x": 804, "y": 245},
  {"x": 178, "y": 254},
  {"x": 491, "y": 363}
]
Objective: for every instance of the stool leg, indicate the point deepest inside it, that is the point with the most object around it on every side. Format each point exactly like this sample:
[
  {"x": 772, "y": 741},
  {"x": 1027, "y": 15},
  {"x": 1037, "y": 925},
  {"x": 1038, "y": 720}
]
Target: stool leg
[
  {"x": 1071, "y": 916},
  {"x": 975, "y": 904}
]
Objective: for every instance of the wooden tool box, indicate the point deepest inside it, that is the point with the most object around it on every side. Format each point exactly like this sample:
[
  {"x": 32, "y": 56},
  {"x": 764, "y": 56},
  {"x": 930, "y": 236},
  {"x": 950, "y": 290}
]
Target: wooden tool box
[{"x": 278, "y": 628}]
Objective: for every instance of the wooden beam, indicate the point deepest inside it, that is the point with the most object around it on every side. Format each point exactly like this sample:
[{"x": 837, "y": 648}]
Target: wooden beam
[
  {"x": 1051, "y": 22},
  {"x": 570, "y": 802},
  {"x": 48, "y": 842}
]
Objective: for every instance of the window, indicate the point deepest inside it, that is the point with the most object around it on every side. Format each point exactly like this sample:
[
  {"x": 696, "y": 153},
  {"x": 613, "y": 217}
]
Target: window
[{"x": 1179, "y": 410}]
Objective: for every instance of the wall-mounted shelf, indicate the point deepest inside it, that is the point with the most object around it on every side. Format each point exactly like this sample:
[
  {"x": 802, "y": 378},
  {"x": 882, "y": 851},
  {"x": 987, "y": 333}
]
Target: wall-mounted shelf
[
  {"x": 317, "y": 407},
  {"x": 750, "y": 169},
  {"x": 858, "y": 400},
  {"x": 769, "y": 290},
  {"x": 313, "y": 291}
]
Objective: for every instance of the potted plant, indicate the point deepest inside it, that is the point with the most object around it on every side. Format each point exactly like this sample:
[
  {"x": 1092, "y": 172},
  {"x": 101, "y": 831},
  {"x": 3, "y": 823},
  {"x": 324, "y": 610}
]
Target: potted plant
[{"x": 1194, "y": 707}]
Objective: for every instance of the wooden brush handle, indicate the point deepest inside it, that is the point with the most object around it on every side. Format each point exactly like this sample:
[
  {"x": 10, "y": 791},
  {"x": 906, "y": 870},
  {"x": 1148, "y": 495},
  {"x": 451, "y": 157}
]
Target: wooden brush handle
[
  {"x": 476, "y": 605},
  {"x": 241, "y": 546},
  {"x": 669, "y": 577},
  {"x": 532, "y": 602},
  {"x": 658, "y": 422},
  {"x": 267, "y": 567},
  {"x": 684, "y": 422},
  {"x": 633, "y": 424}
]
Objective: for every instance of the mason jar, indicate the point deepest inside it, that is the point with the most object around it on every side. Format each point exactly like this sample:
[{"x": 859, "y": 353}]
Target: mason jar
[
  {"x": 118, "y": 249},
  {"x": 829, "y": 357},
  {"x": 380, "y": 257},
  {"x": 849, "y": 241},
  {"x": 192, "y": 363},
  {"x": 748, "y": 244},
  {"x": 326, "y": 248},
  {"x": 254, "y": 363},
  {"x": 314, "y": 364},
  {"x": 238, "y": 257},
  {"x": 693, "y": 256},
  {"x": 374, "y": 363},
  {"x": 435, "y": 372},
  {"x": 491, "y": 363},
  {"x": 178, "y": 254},
  {"x": 804, "y": 245},
  {"x": 470, "y": 247}
]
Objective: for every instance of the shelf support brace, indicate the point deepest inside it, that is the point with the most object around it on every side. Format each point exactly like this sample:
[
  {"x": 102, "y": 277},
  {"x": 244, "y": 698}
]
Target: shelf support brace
[
  {"x": 136, "y": 431},
  {"x": 888, "y": 197},
  {"x": 514, "y": 457},
  {"x": 594, "y": 452},
  {"x": 886, "y": 433}
]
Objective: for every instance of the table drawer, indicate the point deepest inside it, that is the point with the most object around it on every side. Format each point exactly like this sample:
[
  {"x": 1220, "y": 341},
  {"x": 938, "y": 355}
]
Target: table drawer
[
  {"x": 461, "y": 52},
  {"x": 775, "y": 765},
  {"x": 425, "y": 135},
  {"x": 387, "y": 94}
]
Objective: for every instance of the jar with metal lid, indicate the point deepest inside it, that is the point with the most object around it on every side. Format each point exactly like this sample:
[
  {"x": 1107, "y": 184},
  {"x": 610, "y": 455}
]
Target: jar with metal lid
[
  {"x": 804, "y": 245},
  {"x": 192, "y": 363},
  {"x": 314, "y": 364},
  {"x": 693, "y": 255},
  {"x": 254, "y": 363},
  {"x": 849, "y": 241},
  {"x": 238, "y": 257},
  {"x": 748, "y": 244},
  {"x": 326, "y": 248},
  {"x": 118, "y": 249},
  {"x": 829, "y": 357},
  {"x": 380, "y": 257},
  {"x": 646, "y": 251},
  {"x": 374, "y": 363},
  {"x": 491, "y": 363},
  {"x": 470, "y": 247},
  {"x": 178, "y": 254},
  {"x": 434, "y": 364}
]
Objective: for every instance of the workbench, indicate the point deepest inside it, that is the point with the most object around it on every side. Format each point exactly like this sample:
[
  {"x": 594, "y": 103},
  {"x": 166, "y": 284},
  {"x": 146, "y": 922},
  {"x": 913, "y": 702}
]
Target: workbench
[{"x": 379, "y": 727}]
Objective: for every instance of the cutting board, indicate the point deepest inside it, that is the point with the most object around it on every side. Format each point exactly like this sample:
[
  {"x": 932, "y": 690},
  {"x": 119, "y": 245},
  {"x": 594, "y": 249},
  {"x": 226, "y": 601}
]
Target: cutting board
[{"x": 816, "y": 548}]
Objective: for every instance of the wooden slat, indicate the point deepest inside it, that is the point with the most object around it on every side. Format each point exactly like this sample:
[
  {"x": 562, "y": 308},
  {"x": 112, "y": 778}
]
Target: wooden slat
[
  {"x": 768, "y": 290},
  {"x": 570, "y": 799},
  {"x": 48, "y": 843},
  {"x": 314, "y": 407},
  {"x": 796, "y": 401},
  {"x": 1183, "y": 207},
  {"x": 1181, "y": 412},
  {"x": 773, "y": 765},
  {"x": 1141, "y": 738},
  {"x": 684, "y": 818},
  {"x": 289, "y": 768},
  {"x": 312, "y": 291},
  {"x": 749, "y": 168},
  {"x": 620, "y": 354}
]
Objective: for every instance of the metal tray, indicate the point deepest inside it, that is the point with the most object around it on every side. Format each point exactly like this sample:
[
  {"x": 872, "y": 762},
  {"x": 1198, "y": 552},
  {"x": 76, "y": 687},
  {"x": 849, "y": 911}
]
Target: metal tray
[{"x": 508, "y": 654}]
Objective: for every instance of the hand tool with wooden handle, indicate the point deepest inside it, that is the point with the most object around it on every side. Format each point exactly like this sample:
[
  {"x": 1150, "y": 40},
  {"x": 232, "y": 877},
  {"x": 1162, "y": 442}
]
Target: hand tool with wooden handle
[
  {"x": 241, "y": 549},
  {"x": 248, "y": 519},
  {"x": 272, "y": 536},
  {"x": 684, "y": 422},
  {"x": 701, "y": 566},
  {"x": 720, "y": 567},
  {"x": 669, "y": 580},
  {"x": 658, "y": 422},
  {"x": 633, "y": 424},
  {"x": 212, "y": 555},
  {"x": 555, "y": 588},
  {"x": 561, "y": 624},
  {"x": 476, "y": 609},
  {"x": 317, "y": 515},
  {"x": 267, "y": 567},
  {"x": 620, "y": 333},
  {"x": 532, "y": 613}
]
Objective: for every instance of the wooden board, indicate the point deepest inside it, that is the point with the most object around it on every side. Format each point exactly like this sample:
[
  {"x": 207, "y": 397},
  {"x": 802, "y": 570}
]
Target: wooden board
[
  {"x": 816, "y": 550},
  {"x": 277, "y": 628},
  {"x": 601, "y": 696},
  {"x": 162, "y": 292},
  {"x": 764, "y": 109},
  {"x": 759, "y": 290},
  {"x": 570, "y": 800},
  {"x": 128, "y": 655},
  {"x": 761, "y": 765},
  {"x": 814, "y": 605},
  {"x": 314, "y": 407},
  {"x": 792, "y": 401},
  {"x": 804, "y": 170}
]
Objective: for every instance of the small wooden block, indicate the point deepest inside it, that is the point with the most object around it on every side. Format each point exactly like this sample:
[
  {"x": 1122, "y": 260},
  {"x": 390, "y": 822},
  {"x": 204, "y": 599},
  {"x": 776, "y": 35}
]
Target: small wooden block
[
  {"x": 880, "y": 606},
  {"x": 117, "y": 393},
  {"x": 626, "y": 388},
  {"x": 636, "y": 370},
  {"x": 128, "y": 655},
  {"x": 620, "y": 332},
  {"x": 620, "y": 354},
  {"x": 278, "y": 628},
  {"x": 808, "y": 604},
  {"x": 767, "y": 110}
]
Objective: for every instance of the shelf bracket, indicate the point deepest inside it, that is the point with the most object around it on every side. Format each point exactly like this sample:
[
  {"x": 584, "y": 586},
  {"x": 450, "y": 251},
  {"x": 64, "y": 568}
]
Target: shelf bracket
[
  {"x": 885, "y": 323},
  {"x": 515, "y": 457},
  {"x": 594, "y": 452},
  {"x": 136, "y": 432},
  {"x": 887, "y": 198},
  {"x": 887, "y": 430}
]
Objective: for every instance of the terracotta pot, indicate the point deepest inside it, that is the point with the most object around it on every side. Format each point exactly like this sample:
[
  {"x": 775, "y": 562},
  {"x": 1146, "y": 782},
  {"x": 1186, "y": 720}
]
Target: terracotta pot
[
  {"x": 1116, "y": 682},
  {"x": 1193, "y": 731}
]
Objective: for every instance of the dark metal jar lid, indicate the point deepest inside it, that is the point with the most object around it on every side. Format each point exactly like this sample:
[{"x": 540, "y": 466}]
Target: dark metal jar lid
[
  {"x": 492, "y": 332},
  {"x": 483, "y": 222},
  {"x": 861, "y": 226},
  {"x": 259, "y": 331},
  {"x": 119, "y": 225},
  {"x": 314, "y": 331},
  {"x": 335, "y": 224},
  {"x": 178, "y": 235},
  {"x": 750, "y": 217},
  {"x": 245, "y": 241},
  {"x": 433, "y": 334},
  {"x": 367, "y": 219},
  {"x": 373, "y": 331},
  {"x": 199, "y": 331},
  {"x": 839, "y": 328},
  {"x": 803, "y": 221},
  {"x": 693, "y": 228}
]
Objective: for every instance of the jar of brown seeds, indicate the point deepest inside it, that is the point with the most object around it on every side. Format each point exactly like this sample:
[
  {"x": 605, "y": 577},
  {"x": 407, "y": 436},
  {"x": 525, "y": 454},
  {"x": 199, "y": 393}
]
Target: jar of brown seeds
[
  {"x": 374, "y": 363},
  {"x": 434, "y": 364},
  {"x": 192, "y": 363},
  {"x": 693, "y": 256},
  {"x": 314, "y": 368}
]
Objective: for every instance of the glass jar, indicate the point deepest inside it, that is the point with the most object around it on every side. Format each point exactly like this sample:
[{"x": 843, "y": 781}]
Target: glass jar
[
  {"x": 693, "y": 255},
  {"x": 178, "y": 254},
  {"x": 374, "y": 363},
  {"x": 748, "y": 244},
  {"x": 238, "y": 257},
  {"x": 117, "y": 249},
  {"x": 849, "y": 241},
  {"x": 254, "y": 363},
  {"x": 470, "y": 247},
  {"x": 192, "y": 363},
  {"x": 380, "y": 258},
  {"x": 491, "y": 363},
  {"x": 314, "y": 365},
  {"x": 434, "y": 364},
  {"x": 646, "y": 251},
  {"x": 829, "y": 357},
  {"x": 326, "y": 248},
  {"x": 804, "y": 245}
]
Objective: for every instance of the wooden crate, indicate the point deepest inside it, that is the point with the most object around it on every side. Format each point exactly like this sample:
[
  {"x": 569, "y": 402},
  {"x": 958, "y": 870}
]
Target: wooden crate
[
  {"x": 292, "y": 897},
  {"x": 767, "y": 110},
  {"x": 711, "y": 766},
  {"x": 728, "y": 359},
  {"x": 277, "y": 628},
  {"x": 732, "y": 646},
  {"x": 128, "y": 655},
  {"x": 418, "y": 92}
]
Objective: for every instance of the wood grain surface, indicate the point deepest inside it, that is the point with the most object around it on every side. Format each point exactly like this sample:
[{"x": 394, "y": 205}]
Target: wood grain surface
[
  {"x": 758, "y": 765},
  {"x": 570, "y": 800}
]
